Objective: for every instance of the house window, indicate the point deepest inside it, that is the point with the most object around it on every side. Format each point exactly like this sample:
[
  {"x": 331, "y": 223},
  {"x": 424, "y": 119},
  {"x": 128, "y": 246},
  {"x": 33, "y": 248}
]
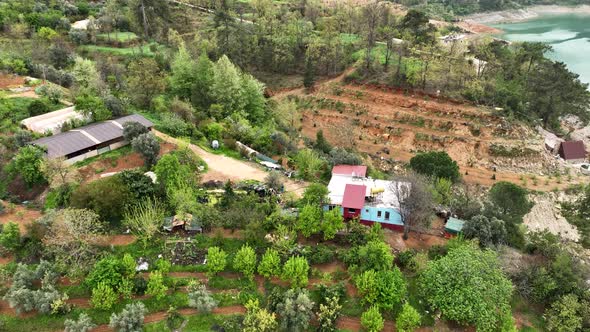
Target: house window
[
  {"x": 351, "y": 210},
  {"x": 330, "y": 207},
  {"x": 378, "y": 214},
  {"x": 386, "y": 215},
  {"x": 367, "y": 210}
]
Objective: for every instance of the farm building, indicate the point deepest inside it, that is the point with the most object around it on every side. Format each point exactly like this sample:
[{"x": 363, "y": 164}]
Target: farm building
[
  {"x": 88, "y": 141},
  {"x": 453, "y": 227},
  {"x": 51, "y": 122},
  {"x": 367, "y": 199},
  {"x": 573, "y": 151}
]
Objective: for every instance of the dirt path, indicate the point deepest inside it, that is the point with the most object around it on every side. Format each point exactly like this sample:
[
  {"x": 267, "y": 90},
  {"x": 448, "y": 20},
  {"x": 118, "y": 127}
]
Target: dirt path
[
  {"x": 19, "y": 215},
  {"x": 354, "y": 324},
  {"x": 224, "y": 168}
]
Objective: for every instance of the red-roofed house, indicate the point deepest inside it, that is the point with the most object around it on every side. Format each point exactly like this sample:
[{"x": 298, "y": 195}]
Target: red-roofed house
[
  {"x": 369, "y": 200},
  {"x": 350, "y": 170},
  {"x": 353, "y": 200},
  {"x": 573, "y": 151}
]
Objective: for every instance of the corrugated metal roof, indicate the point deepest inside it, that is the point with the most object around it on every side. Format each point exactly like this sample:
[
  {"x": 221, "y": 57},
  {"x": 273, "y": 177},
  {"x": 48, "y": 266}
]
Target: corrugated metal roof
[
  {"x": 351, "y": 170},
  {"x": 52, "y": 121},
  {"x": 454, "y": 225},
  {"x": 63, "y": 144},
  {"x": 134, "y": 118},
  {"x": 85, "y": 137},
  {"x": 572, "y": 150},
  {"x": 354, "y": 196}
]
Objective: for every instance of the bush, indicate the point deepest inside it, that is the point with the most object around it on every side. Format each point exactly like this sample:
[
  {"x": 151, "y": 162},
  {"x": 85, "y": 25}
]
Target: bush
[
  {"x": 83, "y": 324},
  {"x": 321, "y": 254},
  {"x": 133, "y": 129},
  {"x": 156, "y": 287},
  {"x": 109, "y": 207},
  {"x": 10, "y": 236},
  {"x": 38, "y": 107},
  {"x": 108, "y": 270},
  {"x": 408, "y": 319},
  {"x": 437, "y": 164},
  {"x": 103, "y": 296},
  {"x": 130, "y": 319},
  {"x": 139, "y": 285},
  {"x": 216, "y": 260},
  {"x": 148, "y": 147},
  {"x": 173, "y": 125},
  {"x": 372, "y": 320},
  {"x": 200, "y": 298}
]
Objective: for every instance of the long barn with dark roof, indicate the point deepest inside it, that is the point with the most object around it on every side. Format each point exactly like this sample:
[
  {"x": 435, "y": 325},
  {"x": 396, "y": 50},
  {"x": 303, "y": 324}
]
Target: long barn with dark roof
[{"x": 88, "y": 141}]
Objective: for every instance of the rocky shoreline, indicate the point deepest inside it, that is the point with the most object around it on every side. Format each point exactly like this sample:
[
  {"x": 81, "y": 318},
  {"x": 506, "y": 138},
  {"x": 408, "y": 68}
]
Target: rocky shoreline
[{"x": 516, "y": 15}]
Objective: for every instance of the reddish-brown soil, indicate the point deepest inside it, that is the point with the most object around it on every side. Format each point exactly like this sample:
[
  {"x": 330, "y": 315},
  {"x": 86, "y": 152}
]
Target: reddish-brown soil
[
  {"x": 10, "y": 81},
  {"x": 227, "y": 233},
  {"x": 6, "y": 259},
  {"x": 331, "y": 267},
  {"x": 5, "y": 309},
  {"x": 116, "y": 240},
  {"x": 354, "y": 324},
  {"x": 20, "y": 215},
  {"x": 392, "y": 126},
  {"x": 132, "y": 160},
  {"x": 415, "y": 240},
  {"x": 477, "y": 28},
  {"x": 24, "y": 94}
]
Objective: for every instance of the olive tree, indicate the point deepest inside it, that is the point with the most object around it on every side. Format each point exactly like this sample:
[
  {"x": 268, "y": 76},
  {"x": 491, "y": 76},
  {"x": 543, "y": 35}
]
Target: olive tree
[
  {"x": 296, "y": 310},
  {"x": 130, "y": 319},
  {"x": 83, "y": 324},
  {"x": 200, "y": 298},
  {"x": 148, "y": 147},
  {"x": 132, "y": 130}
]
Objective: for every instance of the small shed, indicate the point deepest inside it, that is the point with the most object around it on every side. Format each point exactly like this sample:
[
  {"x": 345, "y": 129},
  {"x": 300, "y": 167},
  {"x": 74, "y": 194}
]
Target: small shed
[
  {"x": 453, "y": 227},
  {"x": 573, "y": 151},
  {"x": 185, "y": 222}
]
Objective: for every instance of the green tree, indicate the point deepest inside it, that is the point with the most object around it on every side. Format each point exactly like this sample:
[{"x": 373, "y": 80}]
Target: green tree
[
  {"x": 27, "y": 162},
  {"x": 375, "y": 255},
  {"x": 564, "y": 314},
  {"x": 309, "y": 75},
  {"x": 200, "y": 298},
  {"x": 226, "y": 88},
  {"x": 489, "y": 231},
  {"x": 328, "y": 314},
  {"x": 83, "y": 324},
  {"x": 332, "y": 223},
  {"x": 93, "y": 107},
  {"x": 257, "y": 319},
  {"x": 145, "y": 219},
  {"x": 130, "y": 319},
  {"x": 107, "y": 271},
  {"x": 316, "y": 194},
  {"x": 437, "y": 164},
  {"x": 309, "y": 164},
  {"x": 200, "y": 94},
  {"x": 245, "y": 261},
  {"x": 145, "y": 81},
  {"x": 216, "y": 260},
  {"x": 295, "y": 271},
  {"x": 309, "y": 220},
  {"x": 10, "y": 236},
  {"x": 296, "y": 310},
  {"x": 148, "y": 147},
  {"x": 108, "y": 197},
  {"x": 156, "y": 286},
  {"x": 132, "y": 130},
  {"x": 103, "y": 296},
  {"x": 270, "y": 264},
  {"x": 510, "y": 201},
  {"x": 480, "y": 291},
  {"x": 384, "y": 289},
  {"x": 372, "y": 320},
  {"x": 555, "y": 92},
  {"x": 408, "y": 319},
  {"x": 183, "y": 74}
]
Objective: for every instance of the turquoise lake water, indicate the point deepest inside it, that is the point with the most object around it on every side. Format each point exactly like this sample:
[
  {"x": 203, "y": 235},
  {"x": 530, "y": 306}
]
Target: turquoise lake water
[{"x": 568, "y": 34}]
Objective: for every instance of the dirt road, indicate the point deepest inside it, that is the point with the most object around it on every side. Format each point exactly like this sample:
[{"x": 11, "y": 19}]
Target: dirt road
[{"x": 222, "y": 168}]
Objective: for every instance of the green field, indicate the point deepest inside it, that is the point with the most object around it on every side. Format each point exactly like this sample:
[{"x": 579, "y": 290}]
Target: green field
[
  {"x": 118, "y": 36},
  {"x": 126, "y": 51}
]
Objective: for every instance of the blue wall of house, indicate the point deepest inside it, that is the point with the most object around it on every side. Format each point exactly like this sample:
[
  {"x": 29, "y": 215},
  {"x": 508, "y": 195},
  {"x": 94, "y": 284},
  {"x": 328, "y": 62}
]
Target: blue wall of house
[
  {"x": 371, "y": 213},
  {"x": 377, "y": 214}
]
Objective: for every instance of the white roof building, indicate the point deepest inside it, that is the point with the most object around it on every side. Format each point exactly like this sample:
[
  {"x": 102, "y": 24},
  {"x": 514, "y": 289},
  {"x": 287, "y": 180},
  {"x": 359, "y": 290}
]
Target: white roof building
[
  {"x": 52, "y": 121},
  {"x": 382, "y": 191}
]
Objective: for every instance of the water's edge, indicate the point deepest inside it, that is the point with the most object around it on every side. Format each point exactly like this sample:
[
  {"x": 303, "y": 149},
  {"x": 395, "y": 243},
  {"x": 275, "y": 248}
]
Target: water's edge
[{"x": 528, "y": 13}]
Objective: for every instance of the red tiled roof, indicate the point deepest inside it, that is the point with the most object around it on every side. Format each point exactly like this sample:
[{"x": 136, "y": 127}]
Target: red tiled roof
[
  {"x": 572, "y": 150},
  {"x": 354, "y": 196},
  {"x": 359, "y": 170}
]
